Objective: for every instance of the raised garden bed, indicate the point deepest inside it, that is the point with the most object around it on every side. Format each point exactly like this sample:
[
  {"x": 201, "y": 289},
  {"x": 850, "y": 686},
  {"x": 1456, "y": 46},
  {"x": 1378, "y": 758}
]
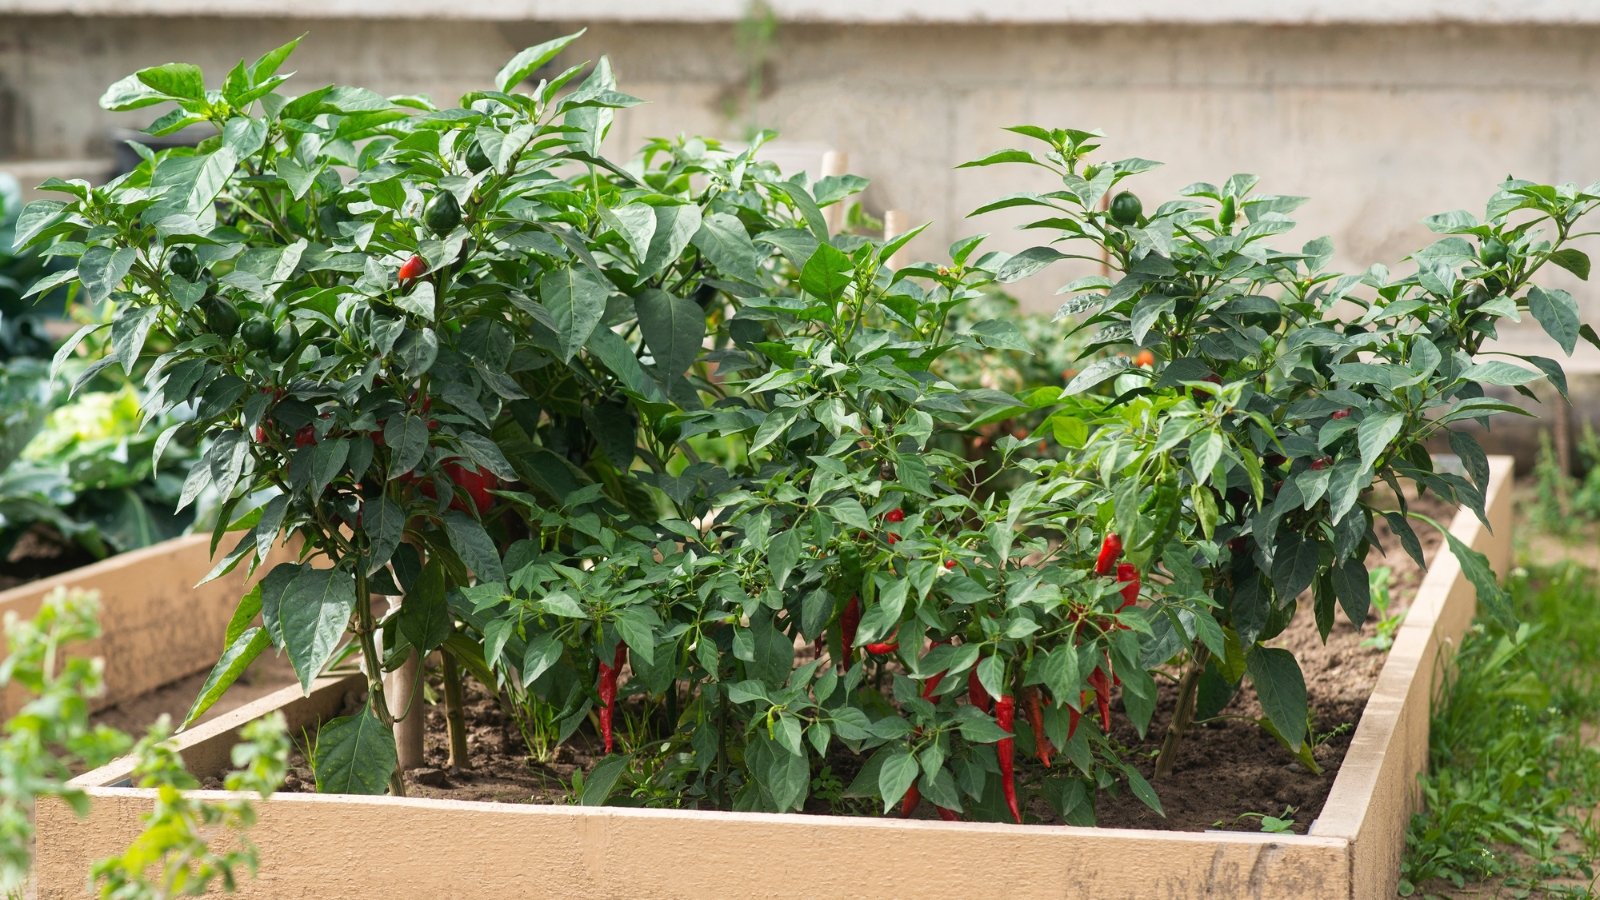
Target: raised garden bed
[
  {"x": 1352, "y": 848},
  {"x": 157, "y": 627}
]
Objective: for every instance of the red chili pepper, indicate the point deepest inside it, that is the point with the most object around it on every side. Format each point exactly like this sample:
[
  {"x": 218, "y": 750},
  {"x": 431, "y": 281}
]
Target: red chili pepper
[
  {"x": 882, "y": 648},
  {"x": 1318, "y": 465},
  {"x": 949, "y": 564},
  {"x": 908, "y": 804},
  {"x": 261, "y": 435},
  {"x": 1005, "y": 715},
  {"x": 608, "y": 691},
  {"x": 1073, "y": 715},
  {"x": 1042, "y": 747},
  {"x": 1129, "y": 577},
  {"x": 305, "y": 437},
  {"x": 895, "y": 515},
  {"x": 976, "y": 695},
  {"x": 892, "y": 538},
  {"x": 1110, "y": 552},
  {"x": 1102, "y": 697},
  {"x": 949, "y": 815},
  {"x": 476, "y": 481},
  {"x": 849, "y": 620},
  {"x": 1341, "y": 414},
  {"x": 411, "y": 270}
]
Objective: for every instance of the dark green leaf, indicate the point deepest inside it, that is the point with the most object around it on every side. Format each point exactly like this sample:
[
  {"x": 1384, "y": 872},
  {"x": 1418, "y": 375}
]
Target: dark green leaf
[
  {"x": 314, "y": 611},
  {"x": 1557, "y": 312},
  {"x": 238, "y": 656},
  {"x": 424, "y": 617},
  {"x": 673, "y": 328},
  {"x": 519, "y": 67},
  {"x": 827, "y": 273},
  {"x": 1282, "y": 690},
  {"x": 576, "y": 298},
  {"x": 407, "y": 439},
  {"x": 354, "y": 755},
  {"x": 181, "y": 80},
  {"x": 473, "y": 545}
]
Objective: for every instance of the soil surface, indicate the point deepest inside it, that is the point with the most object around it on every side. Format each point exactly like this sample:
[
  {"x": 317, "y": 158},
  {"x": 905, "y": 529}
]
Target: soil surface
[
  {"x": 1260, "y": 776},
  {"x": 40, "y": 553}
]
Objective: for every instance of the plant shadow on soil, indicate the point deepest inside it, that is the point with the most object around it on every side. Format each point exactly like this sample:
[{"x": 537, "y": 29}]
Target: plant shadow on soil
[{"x": 1260, "y": 775}]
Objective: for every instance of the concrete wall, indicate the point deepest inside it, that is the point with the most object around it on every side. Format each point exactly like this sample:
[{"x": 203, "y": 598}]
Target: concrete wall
[{"x": 1380, "y": 124}]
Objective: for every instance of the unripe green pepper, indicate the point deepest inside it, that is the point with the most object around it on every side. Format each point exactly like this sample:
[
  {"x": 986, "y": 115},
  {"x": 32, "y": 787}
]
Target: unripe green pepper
[
  {"x": 477, "y": 160},
  {"x": 1126, "y": 209},
  {"x": 442, "y": 213},
  {"x": 221, "y": 317},
  {"x": 285, "y": 343},
  {"x": 184, "y": 263},
  {"x": 257, "y": 333}
]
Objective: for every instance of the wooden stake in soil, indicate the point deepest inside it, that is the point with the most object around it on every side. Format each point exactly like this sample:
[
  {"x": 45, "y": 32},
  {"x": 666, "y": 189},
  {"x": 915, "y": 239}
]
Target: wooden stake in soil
[{"x": 401, "y": 686}]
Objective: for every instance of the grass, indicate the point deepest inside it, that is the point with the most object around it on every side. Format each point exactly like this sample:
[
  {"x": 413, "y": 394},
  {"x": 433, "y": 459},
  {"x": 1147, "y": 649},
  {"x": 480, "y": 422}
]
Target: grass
[{"x": 1514, "y": 774}]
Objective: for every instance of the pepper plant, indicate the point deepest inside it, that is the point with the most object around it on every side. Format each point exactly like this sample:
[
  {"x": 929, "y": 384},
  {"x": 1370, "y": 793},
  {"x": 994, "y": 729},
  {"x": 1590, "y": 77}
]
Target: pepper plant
[
  {"x": 626, "y": 437},
  {"x": 1280, "y": 393},
  {"x": 382, "y": 311}
]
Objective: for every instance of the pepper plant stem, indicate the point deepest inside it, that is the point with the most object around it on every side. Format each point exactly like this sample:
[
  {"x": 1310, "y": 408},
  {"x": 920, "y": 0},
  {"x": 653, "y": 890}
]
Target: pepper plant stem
[
  {"x": 1183, "y": 716},
  {"x": 372, "y": 664},
  {"x": 455, "y": 719}
]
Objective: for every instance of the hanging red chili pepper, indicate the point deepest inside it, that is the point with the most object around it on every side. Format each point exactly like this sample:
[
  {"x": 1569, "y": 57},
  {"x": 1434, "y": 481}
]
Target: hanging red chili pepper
[
  {"x": 608, "y": 691},
  {"x": 1129, "y": 577},
  {"x": 976, "y": 695},
  {"x": 882, "y": 648},
  {"x": 949, "y": 815},
  {"x": 908, "y": 804},
  {"x": 849, "y": 621},
  {"x": 1102, "y": 697},
  {"x": 1110, "y": 552},
  {"x": 411, "y": 270},
  {"x": 1005, "y": 715},
  {"x": 1042, "y": 747}
]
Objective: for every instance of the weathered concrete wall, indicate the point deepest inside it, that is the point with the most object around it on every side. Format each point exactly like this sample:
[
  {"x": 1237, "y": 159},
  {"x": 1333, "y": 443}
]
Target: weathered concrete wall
[{"x": 1379, "y": 124}]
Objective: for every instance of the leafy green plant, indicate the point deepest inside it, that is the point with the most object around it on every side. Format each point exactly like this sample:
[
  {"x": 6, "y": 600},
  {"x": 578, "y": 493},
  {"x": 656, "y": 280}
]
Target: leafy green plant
[
  {"x": 633, "y": 434},
  {"x": 481, "y": 302},
  {"x": 23, "y": 332},
  {"x": 1512, "y": 779},
  {"x": 1266, "y": 416},
  {"x": 1282, "y": 824},
  {"x": 52, "y": 735},
  {"x": 1563, "y": 498},
  {"x": 89, "y": 472},
  {"x": 1388, "y": 625}
]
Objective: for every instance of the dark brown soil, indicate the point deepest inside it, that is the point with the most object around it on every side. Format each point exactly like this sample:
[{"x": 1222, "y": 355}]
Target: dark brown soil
[
  {"x": 500, "y": 767},
  {"x": 1225, "y": 768},
  {"x": 40, "y": 553}
]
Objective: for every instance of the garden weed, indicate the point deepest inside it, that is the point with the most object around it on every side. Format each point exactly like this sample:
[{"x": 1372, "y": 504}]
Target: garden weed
[{"x": 1512, "y": 786}]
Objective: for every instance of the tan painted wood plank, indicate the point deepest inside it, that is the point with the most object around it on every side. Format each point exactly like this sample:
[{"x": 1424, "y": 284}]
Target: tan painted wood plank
[
  {"x": 156, "y": 625},
  {"x": 1376, "y": 790}
]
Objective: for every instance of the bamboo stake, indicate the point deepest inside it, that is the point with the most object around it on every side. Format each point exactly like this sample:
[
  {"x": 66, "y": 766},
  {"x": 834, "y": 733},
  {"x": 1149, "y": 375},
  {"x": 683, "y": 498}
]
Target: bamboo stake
[
  {"x": 895, "y": 223},
  {"x": 835, "y": 162}
]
